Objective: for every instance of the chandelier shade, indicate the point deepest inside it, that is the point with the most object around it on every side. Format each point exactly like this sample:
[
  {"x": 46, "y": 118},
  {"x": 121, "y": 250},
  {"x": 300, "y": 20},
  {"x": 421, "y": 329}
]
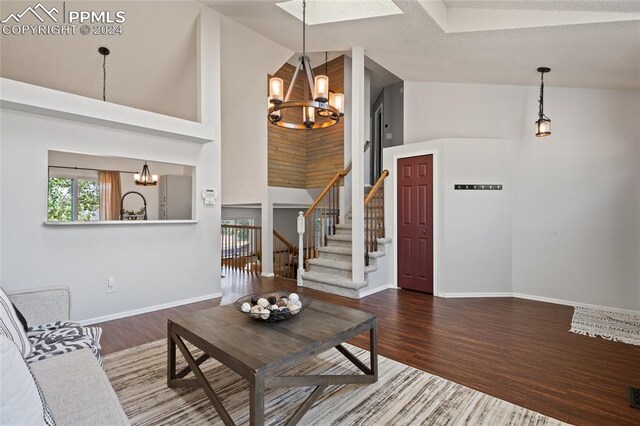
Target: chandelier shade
[{"x": 318, "y": 101}]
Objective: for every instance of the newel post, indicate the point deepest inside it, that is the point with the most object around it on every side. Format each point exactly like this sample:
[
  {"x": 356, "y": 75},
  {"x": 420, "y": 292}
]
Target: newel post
[{"x": 300, "y": 247}]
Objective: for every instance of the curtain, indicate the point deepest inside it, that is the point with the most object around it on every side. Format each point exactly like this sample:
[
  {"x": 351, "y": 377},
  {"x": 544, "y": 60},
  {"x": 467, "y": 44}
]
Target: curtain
[{"x": 110, "y": 193}]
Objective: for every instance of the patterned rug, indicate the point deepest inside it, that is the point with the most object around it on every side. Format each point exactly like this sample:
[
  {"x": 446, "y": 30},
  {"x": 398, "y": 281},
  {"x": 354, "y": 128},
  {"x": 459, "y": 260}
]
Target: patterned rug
[
  {"x": 610, "y": 325},
  {"x": 402, "y": 395}
]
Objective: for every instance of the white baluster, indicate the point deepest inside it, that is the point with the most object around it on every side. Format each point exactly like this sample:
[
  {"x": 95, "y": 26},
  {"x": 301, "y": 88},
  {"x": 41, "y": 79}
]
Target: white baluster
[{"x": 300, "y": 247}]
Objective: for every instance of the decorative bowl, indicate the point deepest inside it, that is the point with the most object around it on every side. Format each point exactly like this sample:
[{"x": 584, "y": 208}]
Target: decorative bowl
[{"x": 254, "y": 306}]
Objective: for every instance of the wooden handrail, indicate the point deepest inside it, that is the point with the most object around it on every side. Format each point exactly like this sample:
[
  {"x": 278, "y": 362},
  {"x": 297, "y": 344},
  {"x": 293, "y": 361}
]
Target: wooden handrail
[
  {"x": 332, "y": 182},
  {"x": 241, "y": 226},
  {"x": 326, "y": 189},
  {"x": 377, "y": 186},
  {"x": 284, "y": 241}
]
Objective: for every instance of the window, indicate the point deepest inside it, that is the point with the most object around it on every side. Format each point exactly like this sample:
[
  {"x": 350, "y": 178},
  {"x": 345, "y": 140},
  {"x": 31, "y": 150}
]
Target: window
[{"x": 73, "y": 198}]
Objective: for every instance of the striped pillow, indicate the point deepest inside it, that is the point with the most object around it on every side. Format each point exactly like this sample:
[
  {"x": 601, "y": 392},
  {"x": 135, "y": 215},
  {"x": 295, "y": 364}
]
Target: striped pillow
[{"x": 11, "y": 327}]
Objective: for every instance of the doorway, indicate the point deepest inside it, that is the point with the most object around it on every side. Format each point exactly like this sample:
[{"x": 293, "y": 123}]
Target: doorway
[{"x": 415, "y": 229}]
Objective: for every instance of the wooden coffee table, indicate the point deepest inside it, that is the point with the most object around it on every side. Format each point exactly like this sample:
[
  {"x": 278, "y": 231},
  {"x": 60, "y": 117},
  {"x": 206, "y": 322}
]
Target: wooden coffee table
[{"x": 261, "y": 352}]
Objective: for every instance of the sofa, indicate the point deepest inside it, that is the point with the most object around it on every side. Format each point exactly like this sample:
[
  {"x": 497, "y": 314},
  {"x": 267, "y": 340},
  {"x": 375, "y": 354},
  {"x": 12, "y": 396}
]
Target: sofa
[{"x": 73, "y": 384}]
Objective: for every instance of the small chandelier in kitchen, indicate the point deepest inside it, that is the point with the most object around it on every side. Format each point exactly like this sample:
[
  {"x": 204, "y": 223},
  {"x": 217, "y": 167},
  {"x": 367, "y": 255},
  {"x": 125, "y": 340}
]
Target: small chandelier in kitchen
[
  {"x": 145, "y": 178},
  {"x": 318, "y": 100}
]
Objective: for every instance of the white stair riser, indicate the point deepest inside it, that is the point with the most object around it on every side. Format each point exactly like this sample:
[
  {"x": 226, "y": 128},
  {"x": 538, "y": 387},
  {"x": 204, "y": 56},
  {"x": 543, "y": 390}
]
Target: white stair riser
[
  {"x": 331, "y": 271},
  {"x": 335, "y": 256},
  {"x": 327, "y": 288},
  {"x": 338, "y": 243}
]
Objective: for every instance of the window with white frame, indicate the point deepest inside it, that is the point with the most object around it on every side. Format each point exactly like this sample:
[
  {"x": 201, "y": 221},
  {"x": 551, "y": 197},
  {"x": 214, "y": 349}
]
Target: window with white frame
[{"x": 73, "y": 195}]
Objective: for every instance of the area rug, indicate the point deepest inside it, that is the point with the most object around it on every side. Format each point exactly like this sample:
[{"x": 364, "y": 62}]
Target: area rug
[
  {"x": 402, "y": 395},
  {"x": 610, "y": 325}
]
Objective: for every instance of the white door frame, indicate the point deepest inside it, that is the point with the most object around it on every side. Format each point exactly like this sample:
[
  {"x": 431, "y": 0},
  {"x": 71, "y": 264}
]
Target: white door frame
[{"x": 436, "y": 212}]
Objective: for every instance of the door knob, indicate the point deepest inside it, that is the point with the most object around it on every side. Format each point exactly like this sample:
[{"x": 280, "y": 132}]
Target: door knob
[{"x": 424, "y": 231}]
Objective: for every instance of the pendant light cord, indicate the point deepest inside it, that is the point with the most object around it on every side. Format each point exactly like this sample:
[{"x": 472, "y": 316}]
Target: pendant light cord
[
  {"x": 104, "y": 78},
  {"x": 541, "y": 107},
  {"x": 325, "y": 63},
  {"x": 304, "y": 32}
]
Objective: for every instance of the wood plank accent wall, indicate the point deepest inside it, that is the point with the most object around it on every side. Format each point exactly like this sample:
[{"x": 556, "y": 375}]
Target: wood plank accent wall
[
  {"x": 325, "y": 147},
  {"x": 287, "y": 148},
  {"x": 305, "y": 158}
]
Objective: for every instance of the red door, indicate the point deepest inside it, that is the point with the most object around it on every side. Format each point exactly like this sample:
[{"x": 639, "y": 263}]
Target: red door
[{"x": 415, "y": 223}]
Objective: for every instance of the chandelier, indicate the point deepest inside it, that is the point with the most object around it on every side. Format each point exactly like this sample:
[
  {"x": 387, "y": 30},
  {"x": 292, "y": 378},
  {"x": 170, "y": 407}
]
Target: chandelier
[
  {"x": 318, "y": 100},
  {"x": 145, "y": 178},
  {"x": 543, "y": 124}
]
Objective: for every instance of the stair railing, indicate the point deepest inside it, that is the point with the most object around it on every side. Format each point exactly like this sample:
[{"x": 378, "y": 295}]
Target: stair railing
[
  {"x": 284, "y": 257},
  {"x": 241, "y": 247},
  {"x": 374, "y": 216},
  {"x": 320, "y": 219},
  {"x": 242, "y": 251}
]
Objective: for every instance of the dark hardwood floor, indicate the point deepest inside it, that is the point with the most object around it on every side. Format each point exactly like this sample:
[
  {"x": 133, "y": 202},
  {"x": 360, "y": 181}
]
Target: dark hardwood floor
[{"x": 517, "y": 350}]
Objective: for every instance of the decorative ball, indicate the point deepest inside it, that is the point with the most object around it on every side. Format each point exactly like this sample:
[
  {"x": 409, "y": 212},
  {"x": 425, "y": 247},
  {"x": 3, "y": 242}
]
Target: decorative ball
[
  {"x": 282, "y": 303},
  {"x": 294, "y": 308},
  {"x": 284, "y": 313},
  {"x": 255, "y": 311},
  {"x": 254, "y": 300},
  {"x": 273, "y": 307},
  {"x": 246, "y": 307},
  {"x": 294, "y": 297},
  {"x": 262, "y": 302},
  {"x": 272, "y": 300},
  {"x": 264, "y": 313}
]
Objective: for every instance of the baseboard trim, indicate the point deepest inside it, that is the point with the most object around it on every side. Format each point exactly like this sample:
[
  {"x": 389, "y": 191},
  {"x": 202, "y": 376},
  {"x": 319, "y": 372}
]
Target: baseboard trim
[
  {"x": 371, "y": 291},
  {"x": 469, "y": 295},
  {"x": 149, "y": 309},
  {"x": 537, "y": 299},
  {"x": 572, "y": 303}
]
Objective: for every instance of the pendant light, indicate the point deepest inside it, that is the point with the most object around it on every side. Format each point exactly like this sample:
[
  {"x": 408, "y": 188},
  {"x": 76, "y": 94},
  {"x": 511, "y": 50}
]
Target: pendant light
[
  {"x": 145, "y": 178},
  {"x": 104, "y": 52},
  {"x": 317, "y": 100},
  {"x": 543, "y": 125}
]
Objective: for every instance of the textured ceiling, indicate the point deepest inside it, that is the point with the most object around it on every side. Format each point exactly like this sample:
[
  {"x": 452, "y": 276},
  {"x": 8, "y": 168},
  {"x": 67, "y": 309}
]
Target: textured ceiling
[
  {"x": 574, "y": 5},
  {"x": 415, "y": 48}
]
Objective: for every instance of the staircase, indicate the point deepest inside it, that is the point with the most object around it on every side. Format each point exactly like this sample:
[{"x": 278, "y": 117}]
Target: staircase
[{"x": 331, "y": 270}]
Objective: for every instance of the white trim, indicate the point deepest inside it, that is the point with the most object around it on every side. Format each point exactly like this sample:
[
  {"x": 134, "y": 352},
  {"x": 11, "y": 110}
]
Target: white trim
[
  {"x": 537, "y": 299},
  {"x": 149, "y": 309},
  {"x": 571, "y": 303},
  {"x": 371, "y": 291},
  {"x": 468, "y": 295},
  {"x": 54, "y": 103},
  {"x": 436, "y": 212},
  {"x": 123, "y": 222},
  {"x": 267, "y": 274}
]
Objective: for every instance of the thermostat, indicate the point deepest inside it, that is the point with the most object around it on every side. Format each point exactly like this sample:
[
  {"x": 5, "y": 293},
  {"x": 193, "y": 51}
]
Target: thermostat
[{"x": 209, "y": 196}]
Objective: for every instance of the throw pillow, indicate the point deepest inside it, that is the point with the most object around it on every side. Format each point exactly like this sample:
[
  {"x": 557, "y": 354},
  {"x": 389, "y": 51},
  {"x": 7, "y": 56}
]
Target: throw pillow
[
  {"x": 21, "y": 399},
  {"x": 10, "y": 326},
  {"x": 21, "y": 317}
]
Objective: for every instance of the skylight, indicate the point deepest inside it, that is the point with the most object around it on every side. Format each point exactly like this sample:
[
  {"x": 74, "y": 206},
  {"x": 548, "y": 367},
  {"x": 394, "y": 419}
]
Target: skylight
[{"x": 326, "y": 11}]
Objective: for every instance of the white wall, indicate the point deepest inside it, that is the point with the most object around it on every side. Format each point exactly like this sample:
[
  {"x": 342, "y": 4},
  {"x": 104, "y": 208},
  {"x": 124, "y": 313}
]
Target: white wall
[
  {"x": 472, "y": 228},
  {"x": 152, "y": 264},
  {"x": 285, "y": 221},
  {"x": 243, "y": 213},
  {"x": 576, "y": 194},
  {"x": 247, "y": 57}
]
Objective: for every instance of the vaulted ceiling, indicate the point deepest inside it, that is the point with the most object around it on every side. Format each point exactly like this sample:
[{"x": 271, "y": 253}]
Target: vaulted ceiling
[{"x": 588, "y": 43}]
